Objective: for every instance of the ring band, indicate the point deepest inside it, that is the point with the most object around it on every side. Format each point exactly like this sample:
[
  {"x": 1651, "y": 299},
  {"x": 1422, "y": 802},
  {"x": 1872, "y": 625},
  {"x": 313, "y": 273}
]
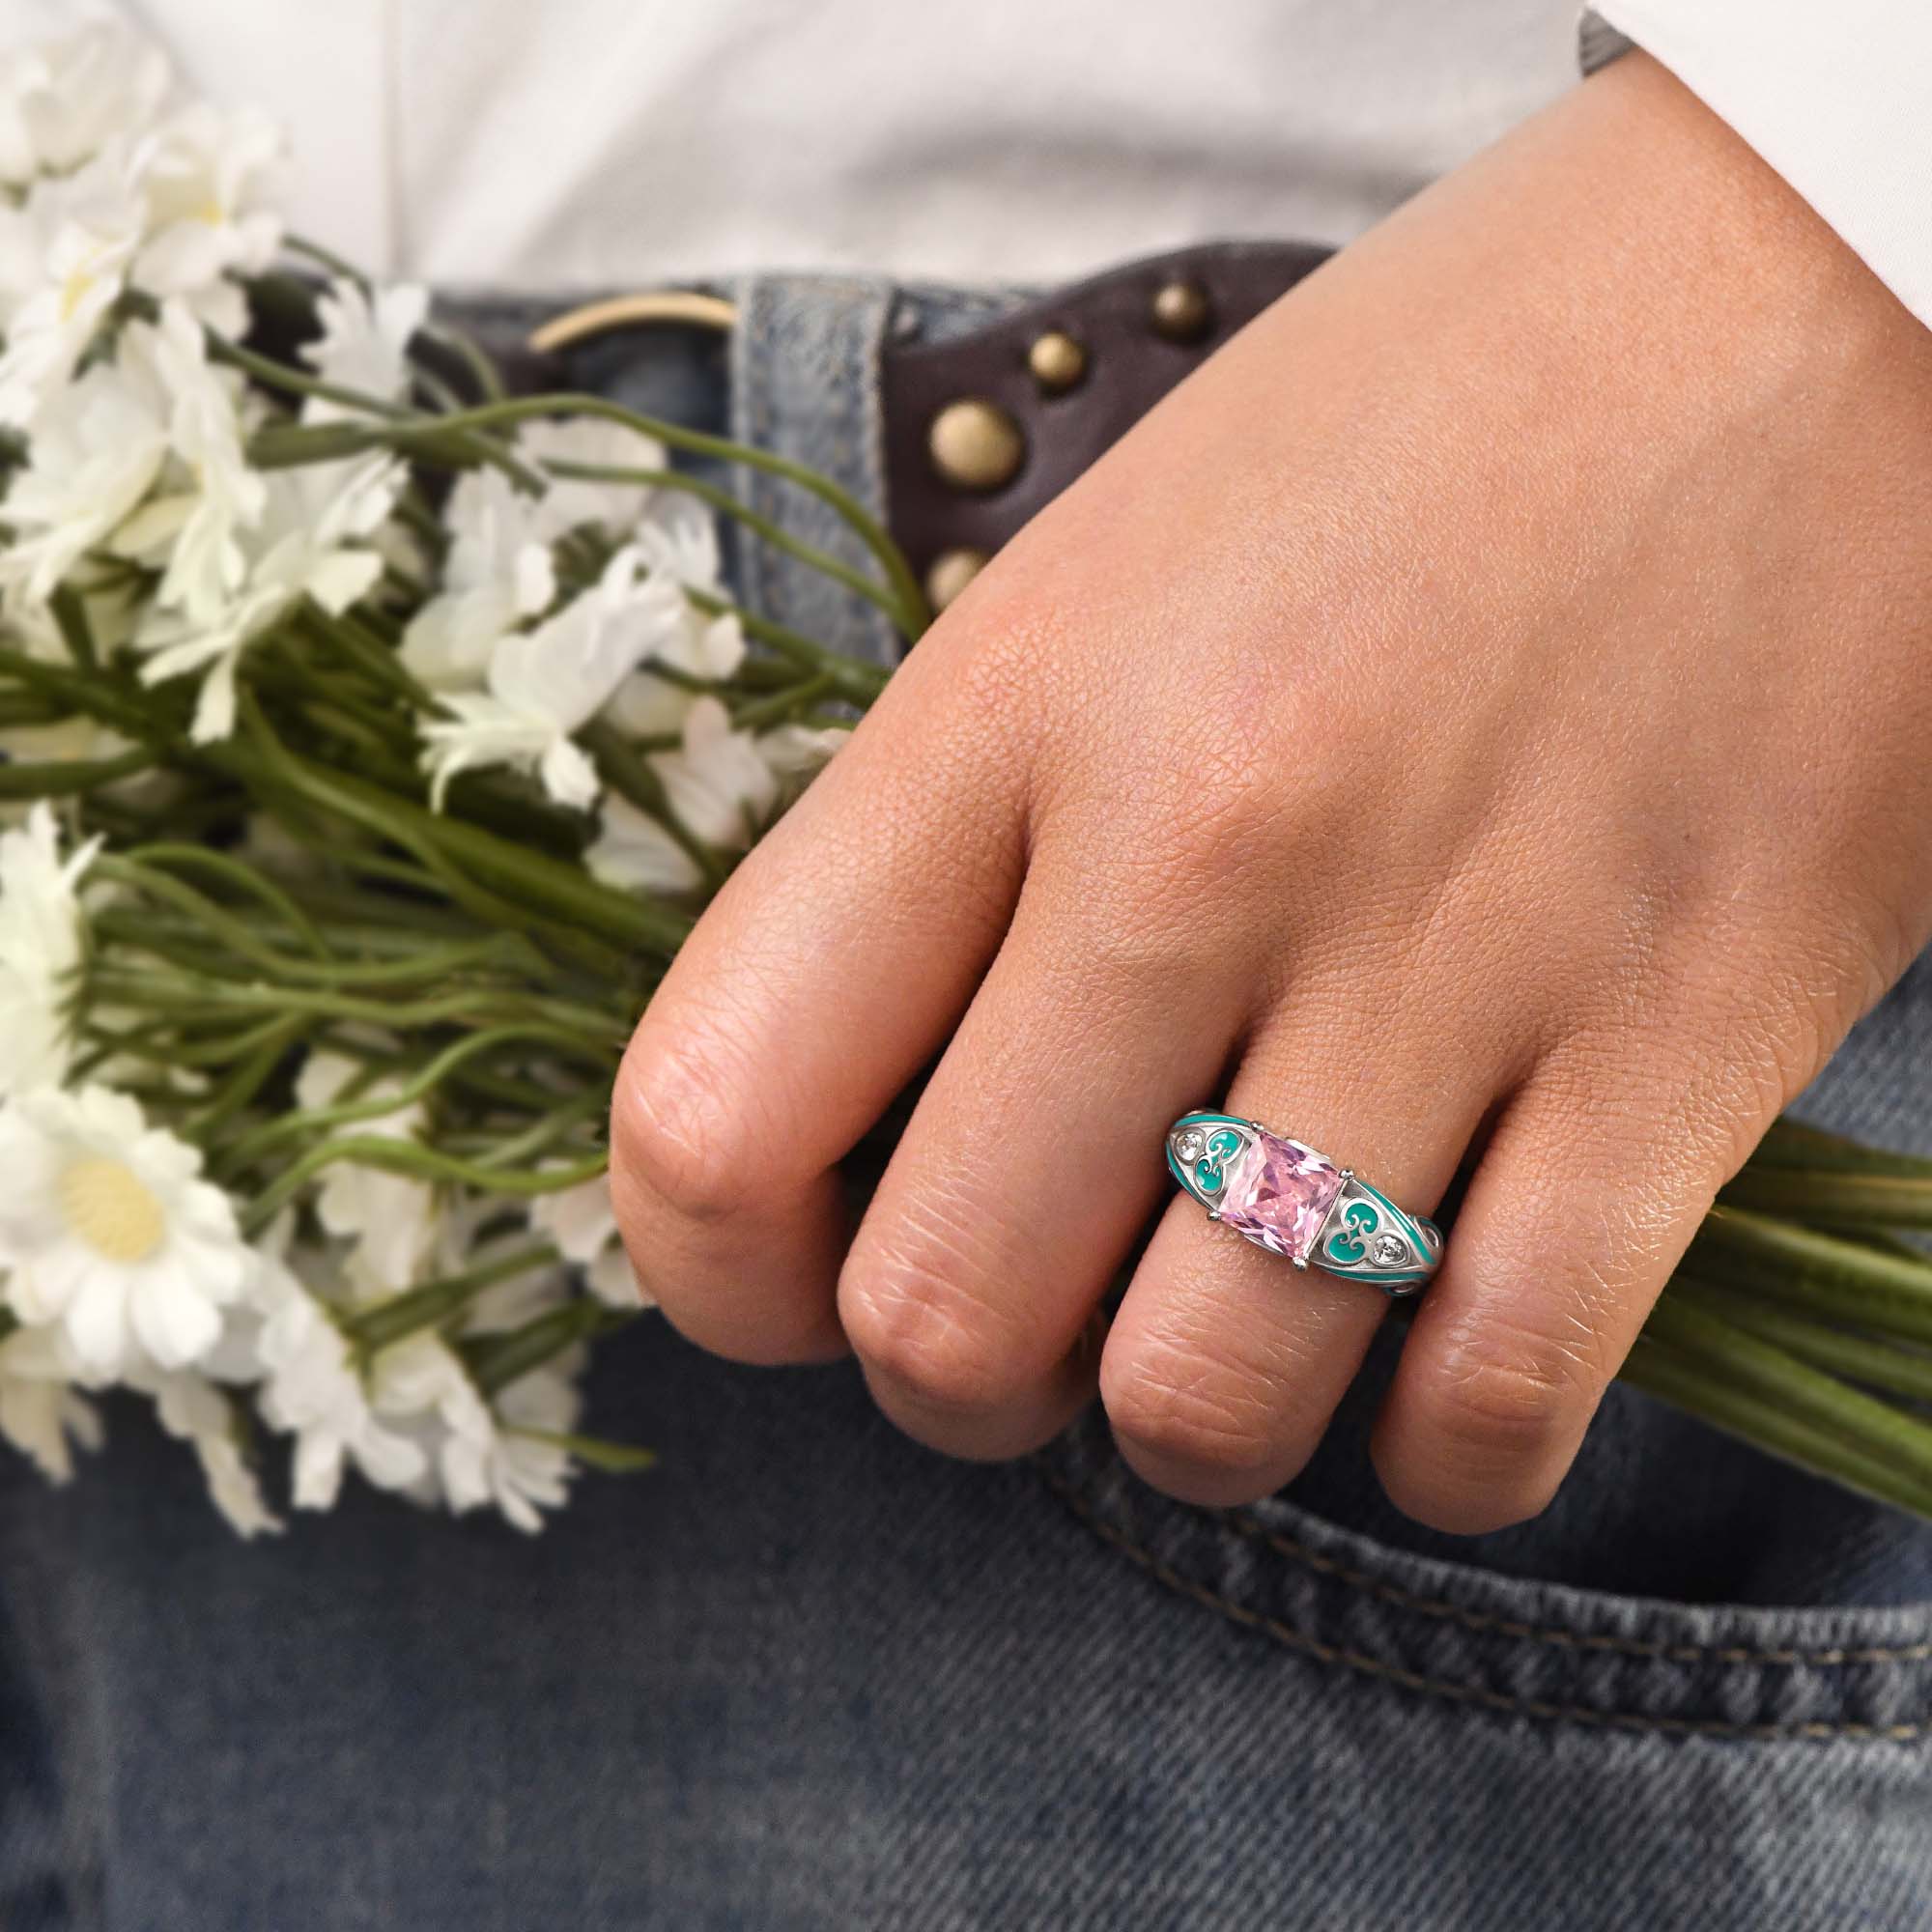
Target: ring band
[{"x": 1285, "y": 1197}]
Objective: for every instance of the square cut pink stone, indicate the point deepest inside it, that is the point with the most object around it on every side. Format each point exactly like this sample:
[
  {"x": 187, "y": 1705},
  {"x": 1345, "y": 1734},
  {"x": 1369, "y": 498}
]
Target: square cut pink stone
[{"x": 1278, "y": 1193}]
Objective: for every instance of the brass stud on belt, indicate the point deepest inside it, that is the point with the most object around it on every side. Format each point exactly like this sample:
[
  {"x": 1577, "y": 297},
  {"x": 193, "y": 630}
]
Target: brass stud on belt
[
  {"x": 1057, "y": 361},
  {"x": 975, "y": 445},
  {"x": 950, "y": 573},
  {"x": 1182, "y": 311}
]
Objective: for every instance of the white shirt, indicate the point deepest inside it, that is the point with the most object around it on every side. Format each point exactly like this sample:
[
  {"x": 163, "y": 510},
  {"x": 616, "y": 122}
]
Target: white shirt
[{"x": 563, "y": 144}]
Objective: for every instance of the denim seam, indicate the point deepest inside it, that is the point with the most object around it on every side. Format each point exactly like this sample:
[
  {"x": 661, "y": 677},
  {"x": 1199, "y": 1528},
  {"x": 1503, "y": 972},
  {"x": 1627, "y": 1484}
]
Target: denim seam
[
  {"x": 1484, "y": 1622},
  {"x": 1465, "y": 1694}
]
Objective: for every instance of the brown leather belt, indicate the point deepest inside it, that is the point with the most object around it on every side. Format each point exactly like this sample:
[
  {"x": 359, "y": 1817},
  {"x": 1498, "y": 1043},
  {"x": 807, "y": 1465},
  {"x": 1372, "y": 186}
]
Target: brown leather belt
[{"x": 985, "y": 428}]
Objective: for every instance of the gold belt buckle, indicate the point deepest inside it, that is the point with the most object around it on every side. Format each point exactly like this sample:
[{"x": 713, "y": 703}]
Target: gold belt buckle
[{"x": 657, "y": 309}]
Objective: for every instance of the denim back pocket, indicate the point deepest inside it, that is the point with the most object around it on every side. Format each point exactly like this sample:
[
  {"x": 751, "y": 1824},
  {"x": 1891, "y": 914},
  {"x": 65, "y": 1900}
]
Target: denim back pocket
[{"x": 1681, "y": 1584}]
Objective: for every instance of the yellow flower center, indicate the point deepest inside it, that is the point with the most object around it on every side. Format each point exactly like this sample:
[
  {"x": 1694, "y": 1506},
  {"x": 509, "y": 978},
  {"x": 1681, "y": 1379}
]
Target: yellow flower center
[
  {"x": 74, "y": 290},
  {"x": 111, "y": 1208}
]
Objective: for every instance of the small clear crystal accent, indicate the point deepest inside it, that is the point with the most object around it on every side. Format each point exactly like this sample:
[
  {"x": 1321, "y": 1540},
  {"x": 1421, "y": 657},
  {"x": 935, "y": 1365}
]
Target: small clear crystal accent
[
  {"x": 1387, "y": 1251},
  {"x": 1188, "y": 1143}
]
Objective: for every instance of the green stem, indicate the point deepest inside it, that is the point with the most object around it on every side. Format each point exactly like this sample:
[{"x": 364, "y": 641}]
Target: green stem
[
  {"x": 418, "y": 1086},
  {"x": 630, "y": 775},
  {"x": 1839, "y": 1280},
  {"x": 420, "y": 1163},
  {"x": 496, "y": 1361},
  {"x": 61, "y": 778},
  {"x": 1838, "y": 1198},
  {"x": 429, "y": 1306},
  {"x": 1689, "y": 1383},
  {"x": 1887, "y": 1365},
  {"x": 1873, "y": 1428}
]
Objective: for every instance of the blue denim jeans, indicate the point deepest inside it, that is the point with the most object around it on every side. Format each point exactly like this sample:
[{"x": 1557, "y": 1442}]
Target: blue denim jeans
[{"x": 808, "y": 1675}]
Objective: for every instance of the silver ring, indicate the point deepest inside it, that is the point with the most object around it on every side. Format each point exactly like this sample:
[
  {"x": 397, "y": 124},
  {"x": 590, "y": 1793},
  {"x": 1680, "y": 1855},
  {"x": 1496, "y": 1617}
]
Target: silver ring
[{"x": 1285, "y": 1197}]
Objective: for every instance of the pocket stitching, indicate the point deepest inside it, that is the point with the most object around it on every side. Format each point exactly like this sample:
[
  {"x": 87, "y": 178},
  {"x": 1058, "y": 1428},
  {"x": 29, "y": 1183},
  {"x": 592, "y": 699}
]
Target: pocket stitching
[
  {"x": 1463, "y": 1694},
  {"x": 1483, "y": 1622}
]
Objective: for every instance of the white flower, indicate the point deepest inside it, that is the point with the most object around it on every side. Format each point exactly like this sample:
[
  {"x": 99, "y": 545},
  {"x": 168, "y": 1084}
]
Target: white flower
[
  {"x": 39, "y": 948},
  {"x": 39, "y": 1410},
  {"x": 106, "y": 1229},
  {"x": 205, "y": 495},
  {"x": 312, "y": 1391},
  {"x": 97, "y": 448},
  {"x": 681, "y": 542},
  {"x": 66, "y": 253},
  {"x": 391, "y": 1218},
  {"x": 709, "y": 649},
  {"x": 499, "y": 573},
  {"x": 311, "y": 542},
  {"x": 719, "y": 786},
  {"x": 423, "y": 1389},
  {"x": 545, "y": 684},
  {"x": 584, "y": 1224},
  {"x": 192, "y": 1409},
  {"x": 30, "y": 627},
  {"x": 633, "y": 852},
  {"x": 205, "y": 175},
  {"x": 567, "y": 504},
  {"x": 62, "y": 101},
  {"x": 800, "y": 751},
  {"x": 364, "y": 344}
]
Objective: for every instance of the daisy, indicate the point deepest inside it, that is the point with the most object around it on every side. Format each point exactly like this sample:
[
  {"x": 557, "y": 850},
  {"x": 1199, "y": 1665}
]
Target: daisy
[
  {"x": 205, "y": 175},
  {"x": 633, "y": 852},
  {"x": 583, "y": 1225},
  {"x": 106, "y": 1229},
  {"x": 719, "y": 786},
  {"x": 192, "y": 1409},
  {"x": 390, "y": 1219},
  {"x": 680, "y": 541},
  {"x": 66, "y": 253},
  {"x": 62, "y": 101},
  {"x": 364, "y": 344},
  {"x": 711, "y": 649},
  {"x": 205, "y": 495},
  {"x": 568, "y": 504},
  {"x": 41, "y": 1412},
  {"x": 478, "y": 1456},
  {"x": 96, "y": 450},
  {"x": 498, "y": 575},
  {"x": 39, "y": 948},
  {"x": 311, "y": 541},
  {"x": 546, "y": 684},
  {"x": 312, "y": 1391}
]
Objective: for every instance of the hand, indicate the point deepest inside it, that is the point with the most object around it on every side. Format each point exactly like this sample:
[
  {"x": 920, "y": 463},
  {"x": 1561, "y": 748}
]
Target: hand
[{"x": 1485, "y": 711}]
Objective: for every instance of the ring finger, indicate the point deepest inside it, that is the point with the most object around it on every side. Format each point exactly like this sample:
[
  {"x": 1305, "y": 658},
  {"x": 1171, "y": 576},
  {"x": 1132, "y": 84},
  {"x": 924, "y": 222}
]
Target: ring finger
[{"x": 1225, "y": 1364}]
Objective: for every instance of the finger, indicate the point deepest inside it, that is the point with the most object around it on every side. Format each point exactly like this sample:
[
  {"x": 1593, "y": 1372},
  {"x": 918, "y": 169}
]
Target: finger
[
  {"x": 1225, "y": 1363},
  {"x": 1028, "y": 1170},
  {"x": 829, "y": 969},
  {"x": 1573, "y": 1220}
]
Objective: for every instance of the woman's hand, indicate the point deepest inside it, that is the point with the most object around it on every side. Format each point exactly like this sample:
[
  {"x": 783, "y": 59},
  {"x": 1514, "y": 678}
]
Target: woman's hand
[{"x": 1490, "y": 703}]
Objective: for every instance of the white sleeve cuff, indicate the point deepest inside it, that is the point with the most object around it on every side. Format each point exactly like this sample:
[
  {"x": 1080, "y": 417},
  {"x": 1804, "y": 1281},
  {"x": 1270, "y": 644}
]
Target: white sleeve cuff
[{"x": 1838, "y": 99}]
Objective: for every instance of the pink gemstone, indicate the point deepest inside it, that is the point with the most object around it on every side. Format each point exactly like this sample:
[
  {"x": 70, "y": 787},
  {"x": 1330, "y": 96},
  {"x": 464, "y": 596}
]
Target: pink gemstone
[{"x": 1278, "y": 1193}]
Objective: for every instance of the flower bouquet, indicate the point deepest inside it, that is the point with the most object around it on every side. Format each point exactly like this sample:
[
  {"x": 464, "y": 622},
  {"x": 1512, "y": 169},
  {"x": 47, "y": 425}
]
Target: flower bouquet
[{"x": 371, "y": 739}]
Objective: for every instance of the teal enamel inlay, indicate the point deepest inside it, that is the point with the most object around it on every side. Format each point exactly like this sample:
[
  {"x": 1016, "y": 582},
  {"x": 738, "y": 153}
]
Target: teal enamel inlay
[
  {"x": 1210, "y": 1170},
  {"x": 1349, "y": 1244}
]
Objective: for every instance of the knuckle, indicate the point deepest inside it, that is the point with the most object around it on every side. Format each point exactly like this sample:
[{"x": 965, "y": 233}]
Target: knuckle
[
  {"x": 1184, "y": 1413},
  {"x": 919, "y": 1345},
  {"x": 912, "y": 1320},
  {"x": 677, "y": 1134},
  {"x": 1506, "y": 1395}
]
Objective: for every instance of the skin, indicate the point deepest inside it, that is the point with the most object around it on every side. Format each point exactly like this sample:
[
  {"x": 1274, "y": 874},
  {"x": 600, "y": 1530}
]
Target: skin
[{"x": 1485, "y": 711}]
